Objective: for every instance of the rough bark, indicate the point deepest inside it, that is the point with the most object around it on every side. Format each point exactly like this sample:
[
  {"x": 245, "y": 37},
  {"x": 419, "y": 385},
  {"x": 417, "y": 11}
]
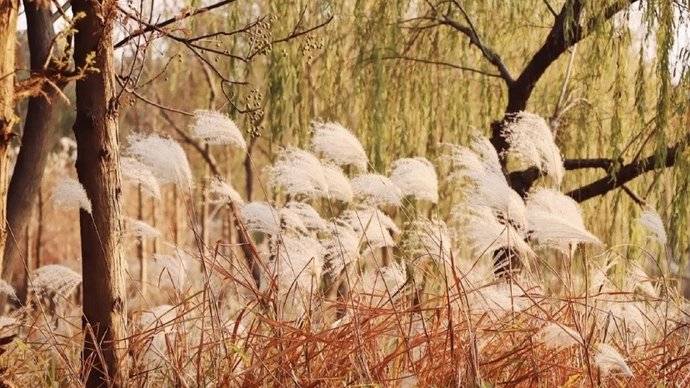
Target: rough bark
[
  {"x": 8, "y": 28},
  {"x": 96, "y": 132},
  {"x": 36, "y": 143}
]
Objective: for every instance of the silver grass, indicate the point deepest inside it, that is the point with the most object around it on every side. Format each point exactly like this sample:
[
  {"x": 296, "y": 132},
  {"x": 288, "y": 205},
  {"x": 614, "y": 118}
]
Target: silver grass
[
  {"x": 337, "y": 144},
  {"x": 555, "y": 221},
  {"x": 430, "y": 238},
  {"x": 158, "y": 316},
  {"x": 54, "y": 279},
  {"x": 139, "y": 228},
  {"x": 341, "y": 247},
  {"x": 216, "y": 128},
  {"x": 532, "y": 141},
  {"x": 309, "y": 216},
  {"x": 164, "y": 157},
  {"x": 339, "y": 187},
  {"x": 6, "y": 322},
  {"x": 638, "y": 280},
  {"x": 296, "y": 268},
  {"x": 170, "y": 271},
  {"x": 557, "y": 336},
  {"x": 70, "y": 194},
  {"x": 497, "y": 299},
  {"x": 291, "y": 221},
  {"x": 7, "y": 290},
  {"x": 137, "y": 173},
  {"x": 375, "y": 229},
  {"x": 609, "y": 360},
  {"x": 416, "y": 177},
  {"x": 486, "y": 234},
  {"x": 298, "y": 172},
  {"x": 479, "y": 166},
  {"x": 222, "y": 192},
  {"x": 376, "y": 190},
  {"x": 382, "y": 286},
  {"x": 260, "y": 217},
  {"x": 652, "y": 222}
]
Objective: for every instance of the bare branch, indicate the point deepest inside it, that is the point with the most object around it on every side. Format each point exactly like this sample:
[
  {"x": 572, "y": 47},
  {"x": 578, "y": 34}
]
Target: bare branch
[
  {"x": 488, "y": 53},
  {"x": 577, "y": 164},
  {"x": 553, "y": 11},
  {"x": 628, "y": 172},
  {"x": 442, "y": 63},
  {"x": 177, "y": 18}
]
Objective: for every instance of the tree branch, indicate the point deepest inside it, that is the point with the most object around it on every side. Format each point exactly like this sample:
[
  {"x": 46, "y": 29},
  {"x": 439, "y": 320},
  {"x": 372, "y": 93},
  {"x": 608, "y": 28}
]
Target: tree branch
[
  {"x": 577, "y": 164},
  {"x": 628, "y": 172},
  {"x": 442, "y": 63},
  {"x": 566, "y": 32},
  {"x": 177, "y": 18},
  {"x": 472, "y": 35}
]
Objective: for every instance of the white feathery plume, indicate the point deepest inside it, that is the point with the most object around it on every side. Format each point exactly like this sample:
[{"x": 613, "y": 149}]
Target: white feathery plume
[
  {"x": 376, "y": 190},
  {"x": 7, "y": 289},
  {"x": 557, "y": 336},
  {"x": 497, "y": 298},
  {"x": 637, "y": 279},
  {"x": 341, "y": 247},
  {"x": 68, "y": 144},
  {"x": 260, "y": 217},
  {"x": 6, "y": 321},
  {"x": 163, "y": 156},
  {"x": 222, "y": 192},
  {"x": 299, "y": 172},
  {"x": 310, "y": 217},
  {"x": 339, "y": 187},
  {"x": 296, "y": 267},
  {"x": 298, "y": 264},
  {"x": 480, "y": 166},
  {"x": 54, "y": 279},
  {"x": 139, "y": 228},
  {"x": 157, "y": 316},
  {"x": 156, "y": 352},
  {"x": 337, "y": 144},
  {"x": 376, "y": 230},
  {"x": 628, "y": 312},
  {"x": 416, "y": 177},
  {"x": 555, "y": 220},
  {"x": 216, "y": 128},
  {"x": 430, "y": 238},
  {"x": 531, "y": 140},
  {"x": 381, "y": 285},
  {"x": 486, "y": 234},
  {"x": 70, "y": 194},
  {"x": 137, "y": 173},
  {"x": 170, "y": 270},
  {"x": 291, "y": 221},
  {"x": 608, "y": 359},
  {"x": 598, "y": 278},
  {"x": 652, "y": 222}
]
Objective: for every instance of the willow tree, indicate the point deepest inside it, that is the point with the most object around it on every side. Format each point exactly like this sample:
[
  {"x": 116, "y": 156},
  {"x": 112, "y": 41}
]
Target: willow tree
[
  {"x": 96, "y": 132},
  {"x": 408, "y": 75},
  {"x": 650, "y": 146}
]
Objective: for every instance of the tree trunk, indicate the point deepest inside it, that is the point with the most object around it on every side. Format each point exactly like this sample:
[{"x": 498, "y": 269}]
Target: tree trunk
[
  {"x": 37, "y": 141},
  {"x": 96, "y": 131},
  {"x": 8, "y": 29},
  {"x": 39, "y": 230}
]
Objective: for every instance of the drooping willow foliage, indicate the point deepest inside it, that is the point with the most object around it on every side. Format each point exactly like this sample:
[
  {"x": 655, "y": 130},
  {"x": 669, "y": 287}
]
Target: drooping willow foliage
[{"x": 620, "y": 93}]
